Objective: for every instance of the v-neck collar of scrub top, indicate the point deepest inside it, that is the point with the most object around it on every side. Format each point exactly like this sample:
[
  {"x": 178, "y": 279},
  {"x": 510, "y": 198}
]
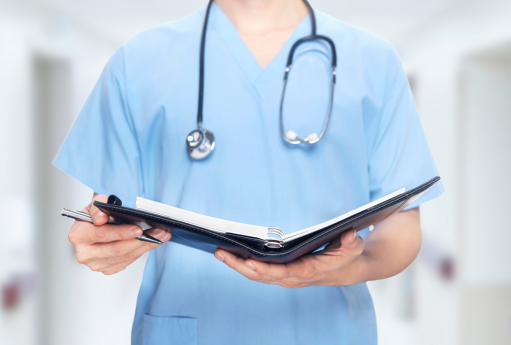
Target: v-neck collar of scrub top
[{"x": 262, "y": 79}]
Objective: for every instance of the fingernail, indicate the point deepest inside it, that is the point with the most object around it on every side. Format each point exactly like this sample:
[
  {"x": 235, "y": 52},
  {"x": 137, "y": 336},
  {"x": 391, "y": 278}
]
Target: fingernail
[
  {"x": 160, "y": 234},
  {"x": 250, "y": 265},
  {"x": 353, "y": 237},
  {"x": 135, "y": 232},
  {"x": 219, "y": 257},
  {"x": 96, "y": 217}
]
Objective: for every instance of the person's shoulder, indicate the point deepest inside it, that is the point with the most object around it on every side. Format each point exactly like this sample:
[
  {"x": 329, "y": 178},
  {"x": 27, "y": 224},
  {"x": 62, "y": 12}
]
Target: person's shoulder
[
  {"x": 175, "y": 32},
  {"x": 160, "y": 41},
  {"x": 352, "y": 38}
]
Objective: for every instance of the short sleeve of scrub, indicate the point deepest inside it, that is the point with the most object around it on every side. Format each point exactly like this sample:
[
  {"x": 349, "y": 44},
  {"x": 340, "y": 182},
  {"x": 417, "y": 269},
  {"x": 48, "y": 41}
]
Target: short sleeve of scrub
[
  {"x": 398, "y": 151},
  {"x": 101, "y": 149}
]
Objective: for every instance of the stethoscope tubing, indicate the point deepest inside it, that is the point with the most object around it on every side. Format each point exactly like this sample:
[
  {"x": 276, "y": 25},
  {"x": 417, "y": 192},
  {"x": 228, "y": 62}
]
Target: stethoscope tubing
[
  {"x": 312, "y": 37},
  {"x": 201, "y": 66},
  {"x": 299, "y": 140},
  {"x": 200, "y": 150}
]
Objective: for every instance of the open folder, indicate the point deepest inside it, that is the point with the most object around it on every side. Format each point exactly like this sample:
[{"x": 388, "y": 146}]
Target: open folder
[{"x": 261, "y": 243}]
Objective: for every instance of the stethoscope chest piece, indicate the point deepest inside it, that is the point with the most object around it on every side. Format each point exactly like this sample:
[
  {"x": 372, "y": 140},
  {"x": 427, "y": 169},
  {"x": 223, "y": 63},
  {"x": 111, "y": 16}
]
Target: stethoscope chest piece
[{"x": 200, "y": 143}]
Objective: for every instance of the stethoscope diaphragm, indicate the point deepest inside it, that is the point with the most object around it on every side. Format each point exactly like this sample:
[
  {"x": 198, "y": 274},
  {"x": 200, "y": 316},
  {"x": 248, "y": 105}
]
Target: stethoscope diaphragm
[{"x": 200, "y": 143}]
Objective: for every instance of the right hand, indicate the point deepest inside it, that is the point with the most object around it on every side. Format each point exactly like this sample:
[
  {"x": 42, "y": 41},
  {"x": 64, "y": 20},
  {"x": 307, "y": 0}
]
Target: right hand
[{"x": 109, "y": 248}]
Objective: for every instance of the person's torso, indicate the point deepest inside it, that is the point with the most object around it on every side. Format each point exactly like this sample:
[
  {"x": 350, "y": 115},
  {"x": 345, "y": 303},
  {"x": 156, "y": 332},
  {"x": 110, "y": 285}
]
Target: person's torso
[{"x": 252, "y": 176}]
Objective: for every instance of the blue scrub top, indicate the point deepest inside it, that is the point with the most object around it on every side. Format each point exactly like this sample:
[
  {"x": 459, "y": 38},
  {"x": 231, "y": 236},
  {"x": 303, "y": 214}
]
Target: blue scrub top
[{"x": 129, "y": 140}]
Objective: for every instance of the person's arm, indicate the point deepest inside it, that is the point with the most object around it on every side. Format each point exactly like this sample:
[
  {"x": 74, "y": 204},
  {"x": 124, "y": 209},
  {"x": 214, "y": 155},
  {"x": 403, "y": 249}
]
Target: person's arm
[
  {"x": 109, "y": 248},
  {"x": 386, "y": 251}
]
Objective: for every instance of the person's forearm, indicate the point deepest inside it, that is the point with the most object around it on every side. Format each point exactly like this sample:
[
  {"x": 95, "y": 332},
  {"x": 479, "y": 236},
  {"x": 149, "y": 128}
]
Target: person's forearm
[{"x": 391, "y": 247}]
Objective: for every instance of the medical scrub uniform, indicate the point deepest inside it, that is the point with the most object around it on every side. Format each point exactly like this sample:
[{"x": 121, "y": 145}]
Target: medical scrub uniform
[{"x": 129, "y": 140}]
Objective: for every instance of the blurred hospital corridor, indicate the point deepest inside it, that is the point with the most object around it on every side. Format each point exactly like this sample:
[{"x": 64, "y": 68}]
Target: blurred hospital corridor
[{"x": 457, "y": 56}]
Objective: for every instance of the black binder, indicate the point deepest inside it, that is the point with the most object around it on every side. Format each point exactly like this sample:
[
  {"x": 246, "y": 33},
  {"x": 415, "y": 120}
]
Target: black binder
[{"x": 274, "y": 251}]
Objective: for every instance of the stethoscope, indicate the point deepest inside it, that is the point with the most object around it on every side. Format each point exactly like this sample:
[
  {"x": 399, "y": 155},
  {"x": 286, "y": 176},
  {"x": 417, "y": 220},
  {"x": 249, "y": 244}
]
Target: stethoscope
[{"x": 201, "y": 142}]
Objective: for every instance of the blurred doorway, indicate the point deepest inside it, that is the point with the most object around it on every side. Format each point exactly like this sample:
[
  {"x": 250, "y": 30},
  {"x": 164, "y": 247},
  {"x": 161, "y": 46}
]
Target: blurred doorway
[
  {"x": 52, "y": 190},
  {"x": 485, "y": 145},
  {"x": 77, "y": 306}
]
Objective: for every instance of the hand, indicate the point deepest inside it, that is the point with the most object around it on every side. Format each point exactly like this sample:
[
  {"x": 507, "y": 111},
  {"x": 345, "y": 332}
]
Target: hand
[
  {"x": 109, "y": 248},
  {"x": 339, "y": 264},
  {"x": 387, "y": 250}
]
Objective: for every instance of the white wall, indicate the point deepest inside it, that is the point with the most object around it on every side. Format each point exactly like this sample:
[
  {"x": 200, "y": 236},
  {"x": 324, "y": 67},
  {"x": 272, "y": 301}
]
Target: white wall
[
  {"x": 465, "y": 111},
  {"x": 80, "y": 300}
]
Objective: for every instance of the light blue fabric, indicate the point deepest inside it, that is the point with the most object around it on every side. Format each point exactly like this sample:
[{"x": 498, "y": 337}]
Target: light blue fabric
[{"x": 129, "y": 140}]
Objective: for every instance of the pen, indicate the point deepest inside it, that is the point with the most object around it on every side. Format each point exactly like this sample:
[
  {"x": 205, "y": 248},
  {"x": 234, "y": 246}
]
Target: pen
[{"x": 79, "y": 215}]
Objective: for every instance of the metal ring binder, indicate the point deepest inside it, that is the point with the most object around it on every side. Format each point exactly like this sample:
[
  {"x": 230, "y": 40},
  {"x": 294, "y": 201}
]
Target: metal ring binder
[
  {"x": 276, "y": 231},
  {"x": 275, "y": 243}
]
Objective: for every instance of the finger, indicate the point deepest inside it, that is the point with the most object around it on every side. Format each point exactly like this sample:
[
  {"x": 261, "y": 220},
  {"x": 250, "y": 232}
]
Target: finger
[
  {"x": 118, "y": 268},
  {"x": 347, "y": 241},
  {"x": 122, "y": 248},
  {"x": 97, "y": 216},
  {"x": 88, "y": 233},
  {"x": 300, "y": 270},
  {"x": 116, "y": 249},
  {"x": 238, "y": 264},
  {"x": 157, "y": 233},
  {"x": 275, "y": 271},
  {"x": 108, "y": 270},
  {"x": 139, "y": 251},
  {"x": 352, "y": 242},
  {"x": 103, "y": 263},
  {"x": 348, "y": 244}
]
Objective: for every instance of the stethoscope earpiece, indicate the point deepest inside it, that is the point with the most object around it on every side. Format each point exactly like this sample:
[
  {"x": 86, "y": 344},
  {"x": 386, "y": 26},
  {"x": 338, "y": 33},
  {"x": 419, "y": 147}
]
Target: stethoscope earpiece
[
  {"x": 293, "y": 138},
  {"x": 200, "y": 143},
  {"x": 312, "y": 138},
  {"x": 291, "y": 135}
]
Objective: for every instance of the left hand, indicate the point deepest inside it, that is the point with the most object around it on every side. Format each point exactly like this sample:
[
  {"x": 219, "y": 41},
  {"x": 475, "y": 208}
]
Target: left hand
[{"x": 339, "y": 264}]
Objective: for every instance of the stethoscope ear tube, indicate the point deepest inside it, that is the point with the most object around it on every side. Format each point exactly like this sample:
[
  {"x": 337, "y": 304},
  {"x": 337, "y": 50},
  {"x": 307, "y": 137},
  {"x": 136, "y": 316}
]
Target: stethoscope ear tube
[
  {"x": 290, "y": 136},
  {"x": 312, "y": 38}
]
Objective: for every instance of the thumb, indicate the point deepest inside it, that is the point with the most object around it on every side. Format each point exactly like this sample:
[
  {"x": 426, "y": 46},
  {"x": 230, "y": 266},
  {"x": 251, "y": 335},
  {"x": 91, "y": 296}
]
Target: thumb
[
  {"x": 350, "y": 240},
  {"x": 348, "y": 243},
  {"x": 98, "y": 217}
]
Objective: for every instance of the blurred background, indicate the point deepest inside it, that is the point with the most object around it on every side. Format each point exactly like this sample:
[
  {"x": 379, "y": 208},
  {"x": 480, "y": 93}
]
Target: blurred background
[{"x": 457, "y": 54}]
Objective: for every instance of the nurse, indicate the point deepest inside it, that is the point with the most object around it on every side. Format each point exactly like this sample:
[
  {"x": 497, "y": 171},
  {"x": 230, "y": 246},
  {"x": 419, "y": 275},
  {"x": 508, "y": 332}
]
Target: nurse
[{"x": 129, "y": 140}]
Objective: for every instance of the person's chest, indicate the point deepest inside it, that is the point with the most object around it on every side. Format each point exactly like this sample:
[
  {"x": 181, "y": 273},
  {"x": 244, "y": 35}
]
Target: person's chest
[{"x": 253, "y": 175}]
